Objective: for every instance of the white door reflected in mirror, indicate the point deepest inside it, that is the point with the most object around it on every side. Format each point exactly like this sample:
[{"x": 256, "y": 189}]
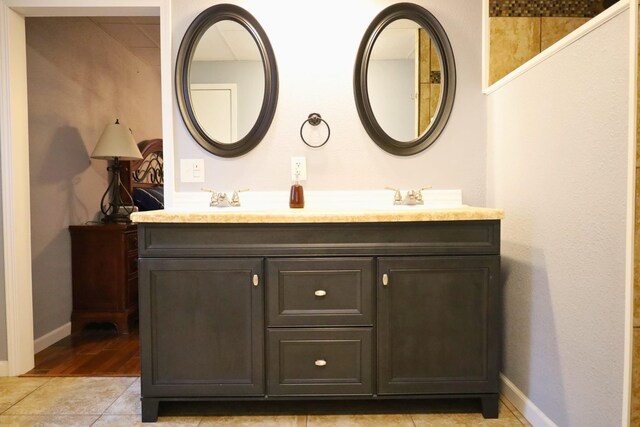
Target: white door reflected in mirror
[
  {"x": 216, "y": 109},
  {"x": 226, "y": 58}
]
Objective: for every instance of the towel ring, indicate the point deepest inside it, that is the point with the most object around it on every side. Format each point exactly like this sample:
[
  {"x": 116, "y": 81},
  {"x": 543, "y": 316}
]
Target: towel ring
[{"x": 315, "y": 119}]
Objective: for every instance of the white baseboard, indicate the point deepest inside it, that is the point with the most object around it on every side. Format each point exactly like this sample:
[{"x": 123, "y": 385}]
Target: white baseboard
[
  {"x": 4, "y": 368},
  {"x": 527, "y": 408},
  {"x": 52, "y": 337}
]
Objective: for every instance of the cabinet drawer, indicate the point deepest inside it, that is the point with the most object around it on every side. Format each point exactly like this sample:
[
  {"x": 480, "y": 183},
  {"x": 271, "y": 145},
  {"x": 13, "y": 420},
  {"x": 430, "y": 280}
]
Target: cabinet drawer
[
  {"x": 320, "y": 292},
  {"x": 319, "y": 361}
]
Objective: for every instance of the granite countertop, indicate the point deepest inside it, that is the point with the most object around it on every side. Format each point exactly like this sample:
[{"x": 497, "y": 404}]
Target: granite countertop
[{"x": 310, "y": 215}]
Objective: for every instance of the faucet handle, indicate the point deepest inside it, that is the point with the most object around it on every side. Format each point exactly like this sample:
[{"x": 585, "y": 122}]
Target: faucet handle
[
  {"x": 235, "y": 198},
  {"x": 214, "y": 196},
  {"x": 419, "y": 194},
  {"x": 397, "y": 197}
]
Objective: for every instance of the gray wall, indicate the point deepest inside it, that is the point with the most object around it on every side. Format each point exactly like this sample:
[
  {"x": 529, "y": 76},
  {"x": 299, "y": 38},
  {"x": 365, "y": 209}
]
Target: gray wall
[
  {"x": 558, "y": 165},
  {"x": 79, "y": 79}
]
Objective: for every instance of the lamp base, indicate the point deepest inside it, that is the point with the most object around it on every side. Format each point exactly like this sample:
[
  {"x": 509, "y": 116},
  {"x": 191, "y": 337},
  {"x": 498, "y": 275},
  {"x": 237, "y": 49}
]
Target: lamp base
[
  {"x": 116, "y": 219},
  {"x": 121, "y": 216},
  {"x": 114, "y": 212}
]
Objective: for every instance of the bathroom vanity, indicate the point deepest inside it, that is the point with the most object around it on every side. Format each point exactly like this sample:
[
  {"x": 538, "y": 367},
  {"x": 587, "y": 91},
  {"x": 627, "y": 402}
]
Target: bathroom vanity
[{"x": 313, "y": 304}]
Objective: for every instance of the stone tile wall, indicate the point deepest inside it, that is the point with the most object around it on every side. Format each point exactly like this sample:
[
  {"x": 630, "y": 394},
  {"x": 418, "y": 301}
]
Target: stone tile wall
[{"x": 520, "y": 29}]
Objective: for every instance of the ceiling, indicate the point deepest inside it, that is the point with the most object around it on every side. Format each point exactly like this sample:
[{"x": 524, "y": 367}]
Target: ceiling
[
  {"x": 397, "y": 41},
  {"x": 226, "y": 41},
  {"x": 229, "y": 41},
  {"x": 138, "y": 34}
]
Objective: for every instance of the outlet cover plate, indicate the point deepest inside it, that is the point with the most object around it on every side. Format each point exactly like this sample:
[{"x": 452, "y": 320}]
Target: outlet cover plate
[{"x": 299, "y": 164}]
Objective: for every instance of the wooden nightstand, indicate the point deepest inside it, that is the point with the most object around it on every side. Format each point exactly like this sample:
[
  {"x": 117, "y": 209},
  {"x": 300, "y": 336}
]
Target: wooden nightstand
[{"x": 104, "y": 267}]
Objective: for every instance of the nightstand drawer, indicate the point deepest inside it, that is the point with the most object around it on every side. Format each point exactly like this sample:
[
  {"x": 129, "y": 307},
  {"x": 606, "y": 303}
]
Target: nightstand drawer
[
  {"x": 131, "y": 241},
  {"x": 132, "y": 263},
  {"x": 319, "y": 361},
  {"x": 320, "y": 292}
]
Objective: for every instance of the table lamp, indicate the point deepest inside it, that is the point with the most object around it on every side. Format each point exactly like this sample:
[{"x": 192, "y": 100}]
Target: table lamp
[{"x": 116, "y": 143}]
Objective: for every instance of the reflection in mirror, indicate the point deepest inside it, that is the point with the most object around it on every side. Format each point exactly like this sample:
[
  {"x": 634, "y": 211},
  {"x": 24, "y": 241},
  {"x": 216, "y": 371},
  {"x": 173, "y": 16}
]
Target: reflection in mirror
[
  {"x": 227, "y": 82},
  {"x": 403, "y": 79}
]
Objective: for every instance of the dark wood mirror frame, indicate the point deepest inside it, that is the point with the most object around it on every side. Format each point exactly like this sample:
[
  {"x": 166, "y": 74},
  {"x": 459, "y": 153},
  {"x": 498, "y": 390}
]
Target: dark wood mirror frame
[
  {"x": 183, "y": 65},
  {"x": 427, "y": 21}
]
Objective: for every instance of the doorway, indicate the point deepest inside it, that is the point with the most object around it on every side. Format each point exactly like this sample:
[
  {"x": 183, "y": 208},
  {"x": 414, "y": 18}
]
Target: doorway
[{"x": 15, "y": 161}]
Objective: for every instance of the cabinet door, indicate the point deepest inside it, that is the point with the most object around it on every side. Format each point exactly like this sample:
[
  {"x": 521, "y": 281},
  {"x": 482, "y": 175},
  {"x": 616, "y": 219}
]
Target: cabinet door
[
  {"x": 438, "y": 325},
  {"x": 201, "y": 327}
]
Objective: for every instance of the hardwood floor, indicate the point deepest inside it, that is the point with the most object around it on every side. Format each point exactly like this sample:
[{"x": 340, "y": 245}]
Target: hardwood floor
[{"x": 98, "y": 350}]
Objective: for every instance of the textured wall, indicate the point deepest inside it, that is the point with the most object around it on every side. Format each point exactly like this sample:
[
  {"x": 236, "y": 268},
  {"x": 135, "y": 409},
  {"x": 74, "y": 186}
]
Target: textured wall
[
  {"x": 79, "y": 79},
  {"x": 315, "y": 47},
  {"x": 557, "y": 164}
]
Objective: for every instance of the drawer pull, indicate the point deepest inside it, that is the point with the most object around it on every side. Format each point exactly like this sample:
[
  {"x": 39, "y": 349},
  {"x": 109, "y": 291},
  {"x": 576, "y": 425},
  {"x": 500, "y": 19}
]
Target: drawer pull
[
  {"x": 320, "y": 362},
  {"x": 385, "y": 279},
  {"x": 256, "y": 280},
  {"x": 320, "y": 293}
]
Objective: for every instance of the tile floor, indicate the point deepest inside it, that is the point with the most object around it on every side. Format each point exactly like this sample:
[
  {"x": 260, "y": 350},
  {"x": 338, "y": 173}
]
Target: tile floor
[{"x": 102, "y": 401}]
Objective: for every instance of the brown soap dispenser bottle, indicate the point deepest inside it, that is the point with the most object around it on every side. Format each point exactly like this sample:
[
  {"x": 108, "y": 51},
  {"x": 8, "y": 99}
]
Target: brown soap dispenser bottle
[{"x": 296, "y": 198}]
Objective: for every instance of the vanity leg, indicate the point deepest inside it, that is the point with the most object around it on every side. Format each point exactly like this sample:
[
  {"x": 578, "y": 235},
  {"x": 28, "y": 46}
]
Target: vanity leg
[
  {"x": 490, "y": 405},
  {"x": 149, "y": 410}
]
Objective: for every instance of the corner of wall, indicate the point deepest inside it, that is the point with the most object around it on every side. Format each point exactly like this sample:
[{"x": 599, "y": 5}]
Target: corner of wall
[{"x": 527, "y": 408}]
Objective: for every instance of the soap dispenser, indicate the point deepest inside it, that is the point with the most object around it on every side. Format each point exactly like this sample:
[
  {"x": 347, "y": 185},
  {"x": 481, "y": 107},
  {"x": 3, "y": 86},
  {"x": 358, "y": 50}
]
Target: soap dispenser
[{"x": 296, "y": 198}]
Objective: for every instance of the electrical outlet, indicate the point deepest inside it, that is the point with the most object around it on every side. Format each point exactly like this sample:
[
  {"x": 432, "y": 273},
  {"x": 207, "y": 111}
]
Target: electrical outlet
[
  {"x": 299, "y": 168},
  {"x": 192, "y": 170}
]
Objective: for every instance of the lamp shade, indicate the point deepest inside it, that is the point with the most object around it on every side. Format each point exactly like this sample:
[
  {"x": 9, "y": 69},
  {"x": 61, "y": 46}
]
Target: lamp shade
[{"x": 116, "y": 141}]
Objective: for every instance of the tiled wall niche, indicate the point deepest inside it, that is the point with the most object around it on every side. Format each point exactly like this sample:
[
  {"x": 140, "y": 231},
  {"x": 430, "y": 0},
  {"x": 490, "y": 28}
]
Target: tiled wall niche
[{"x": 520, "y": 29}]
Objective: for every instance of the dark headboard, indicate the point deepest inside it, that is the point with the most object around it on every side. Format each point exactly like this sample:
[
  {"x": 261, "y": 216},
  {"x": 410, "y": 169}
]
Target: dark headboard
[{"x": 145, "y": 173}]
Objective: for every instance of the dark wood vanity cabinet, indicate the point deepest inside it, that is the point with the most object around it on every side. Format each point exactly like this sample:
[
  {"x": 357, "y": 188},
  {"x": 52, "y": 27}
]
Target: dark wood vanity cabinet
[{"x": 320, "y": 310}]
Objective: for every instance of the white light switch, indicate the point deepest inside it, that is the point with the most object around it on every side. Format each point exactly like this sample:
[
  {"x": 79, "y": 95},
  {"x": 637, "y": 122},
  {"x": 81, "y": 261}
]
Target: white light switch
[{"x": 192, "y": 170}]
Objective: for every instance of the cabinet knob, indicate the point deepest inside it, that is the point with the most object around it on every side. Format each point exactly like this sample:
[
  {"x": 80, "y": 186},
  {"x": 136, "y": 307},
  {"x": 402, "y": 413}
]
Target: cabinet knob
[
  {"x": 256, "y": 280},
  {"x": 320, "y": 362},
  {"x": 320, "y": 293},
  {"x": 385, "y": 279}
]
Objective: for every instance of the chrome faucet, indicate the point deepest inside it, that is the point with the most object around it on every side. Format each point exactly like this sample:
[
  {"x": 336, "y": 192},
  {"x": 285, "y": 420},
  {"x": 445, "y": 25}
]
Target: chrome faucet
[
  {"x": 223, "y": 200},
  {"x": 411, "y": 197}
]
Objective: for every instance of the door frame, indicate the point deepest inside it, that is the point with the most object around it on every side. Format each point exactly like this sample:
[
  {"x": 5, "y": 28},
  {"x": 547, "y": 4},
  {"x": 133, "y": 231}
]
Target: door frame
[{"x": 14, "y": 149}]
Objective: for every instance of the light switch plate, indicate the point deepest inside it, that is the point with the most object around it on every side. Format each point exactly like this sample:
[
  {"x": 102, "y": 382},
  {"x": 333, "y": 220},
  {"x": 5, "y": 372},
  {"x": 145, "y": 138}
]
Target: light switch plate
[{"x": 192, "y": 170}]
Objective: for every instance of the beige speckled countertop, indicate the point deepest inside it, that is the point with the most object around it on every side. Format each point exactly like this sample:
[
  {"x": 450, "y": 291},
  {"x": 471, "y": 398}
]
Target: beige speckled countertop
[{"x": 306, "y": 215}]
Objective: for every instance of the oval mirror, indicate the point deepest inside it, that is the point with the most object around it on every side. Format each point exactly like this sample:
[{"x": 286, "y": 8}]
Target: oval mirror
[
  {"x": 226, "y": 80},
  {"x": 405, "y": 79}
]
